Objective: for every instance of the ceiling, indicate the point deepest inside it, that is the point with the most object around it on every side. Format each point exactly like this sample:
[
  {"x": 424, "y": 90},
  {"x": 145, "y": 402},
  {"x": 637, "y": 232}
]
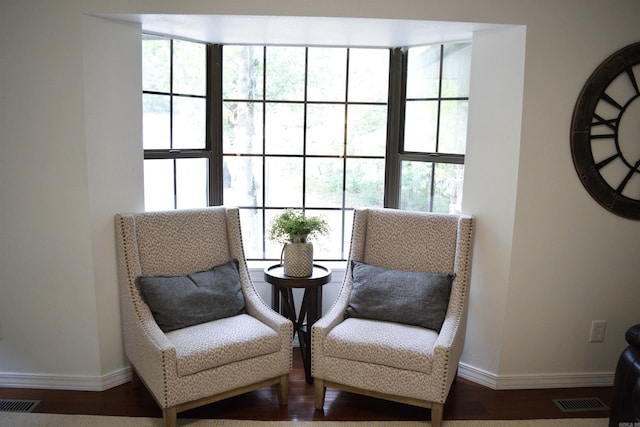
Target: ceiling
[{"x": 307, "y": 31}]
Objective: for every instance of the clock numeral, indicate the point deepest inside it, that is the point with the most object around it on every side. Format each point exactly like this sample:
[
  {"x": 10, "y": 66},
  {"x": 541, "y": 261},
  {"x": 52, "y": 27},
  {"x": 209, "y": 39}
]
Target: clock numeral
[
  {"x": 626, "y": 179},
  {"x": 632, "y": 78},
  {"x": 601, "y": 121},
  {"x": 611, "y": 101},
  {"x": 605, "y": 162},
  {"x": 604, "y": 136}
]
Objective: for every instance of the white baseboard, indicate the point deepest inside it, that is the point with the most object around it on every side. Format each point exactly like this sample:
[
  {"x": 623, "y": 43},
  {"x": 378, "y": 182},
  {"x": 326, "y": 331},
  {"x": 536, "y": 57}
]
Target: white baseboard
[
  {"x": 478, "y": 376},
  {"x": 62, "y": 382},
  {"x": 530, "y": 381}
]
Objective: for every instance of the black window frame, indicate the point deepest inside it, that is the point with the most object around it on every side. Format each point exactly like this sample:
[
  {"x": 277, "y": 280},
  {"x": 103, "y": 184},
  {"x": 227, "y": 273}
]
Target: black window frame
[{"x": 395, "y": 153}]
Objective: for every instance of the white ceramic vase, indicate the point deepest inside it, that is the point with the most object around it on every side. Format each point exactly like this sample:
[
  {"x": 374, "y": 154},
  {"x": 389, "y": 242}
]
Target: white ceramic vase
[{"x": 297, "y": 257}]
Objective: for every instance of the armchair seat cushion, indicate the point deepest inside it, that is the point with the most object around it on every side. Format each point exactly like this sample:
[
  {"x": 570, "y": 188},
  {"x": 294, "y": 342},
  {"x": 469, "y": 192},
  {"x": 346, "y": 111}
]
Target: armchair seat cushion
[
  {"x": 216, "y": 343},
  {"x": 395, "y": 345}
]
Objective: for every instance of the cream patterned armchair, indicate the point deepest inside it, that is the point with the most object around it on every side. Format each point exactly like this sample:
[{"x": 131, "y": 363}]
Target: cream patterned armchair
[
  {"x": 386, "y": 336},
  {"x": 183, "y": 357}
]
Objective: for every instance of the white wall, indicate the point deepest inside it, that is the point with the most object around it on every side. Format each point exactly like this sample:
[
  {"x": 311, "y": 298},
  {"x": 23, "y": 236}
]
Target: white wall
[
  {"x": 571, "y": 261},
  {"x": 548, "y": 259},
  {"x": 113, "y": 114},
  {"x": 490, "y": 189},
  {"x": 47, "y": 295}
]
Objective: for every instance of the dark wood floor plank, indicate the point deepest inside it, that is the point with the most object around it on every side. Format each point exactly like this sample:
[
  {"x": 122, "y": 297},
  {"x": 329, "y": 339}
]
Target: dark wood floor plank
[{"x": 467, "y": 400}]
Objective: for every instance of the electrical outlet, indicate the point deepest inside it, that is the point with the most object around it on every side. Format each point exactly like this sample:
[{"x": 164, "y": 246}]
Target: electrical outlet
[{"x": 598, "y": 328}]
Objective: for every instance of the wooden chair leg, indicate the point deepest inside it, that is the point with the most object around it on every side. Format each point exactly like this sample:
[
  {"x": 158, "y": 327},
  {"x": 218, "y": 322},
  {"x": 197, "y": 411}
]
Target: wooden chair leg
[
  {"x": 170, "y": 416},
  {"x": 436, "y": 414},
  {"x": 320, "y": 391},
  {"x": 136, "y": 382},
  {"x": 283, "y": 390}
]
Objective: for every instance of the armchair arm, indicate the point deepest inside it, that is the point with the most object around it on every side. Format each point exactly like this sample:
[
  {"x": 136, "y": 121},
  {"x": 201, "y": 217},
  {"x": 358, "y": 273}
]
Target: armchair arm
[
  {"x": 324, "y": 325},
  {"x": 335, "y": 314},
  {"x": 254, "y": 303},
  {"x": 257, "y": 308},
  {"x": 148, "y": 349},
  {"x": 448, "y": 348}
]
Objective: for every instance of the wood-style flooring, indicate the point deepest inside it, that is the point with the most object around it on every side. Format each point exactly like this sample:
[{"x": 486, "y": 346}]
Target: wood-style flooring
[{"x": 467, "y": 400}]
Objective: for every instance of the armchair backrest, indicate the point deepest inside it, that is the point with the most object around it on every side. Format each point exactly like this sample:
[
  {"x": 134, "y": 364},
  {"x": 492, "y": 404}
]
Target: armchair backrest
[
  {"x": 174, "y": 243},
  {"x": 413, "y": 241},
  {"x": 178, "y": 242},
  {"x": 416, "y": 241}
]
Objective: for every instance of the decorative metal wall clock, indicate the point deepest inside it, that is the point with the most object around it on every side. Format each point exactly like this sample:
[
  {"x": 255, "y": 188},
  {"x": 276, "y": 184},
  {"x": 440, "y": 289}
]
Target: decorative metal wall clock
[{"x": 605, "y": 133}]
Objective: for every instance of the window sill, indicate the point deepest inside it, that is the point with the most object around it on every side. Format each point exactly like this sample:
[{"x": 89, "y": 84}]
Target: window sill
[{"x": 261, "y": 265}]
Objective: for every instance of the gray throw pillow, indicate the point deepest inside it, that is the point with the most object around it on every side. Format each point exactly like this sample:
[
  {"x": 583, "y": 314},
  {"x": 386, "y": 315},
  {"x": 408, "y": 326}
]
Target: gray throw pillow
[
  {"x": 180, "y": 301},
  {"x": 412, "y": 298}
]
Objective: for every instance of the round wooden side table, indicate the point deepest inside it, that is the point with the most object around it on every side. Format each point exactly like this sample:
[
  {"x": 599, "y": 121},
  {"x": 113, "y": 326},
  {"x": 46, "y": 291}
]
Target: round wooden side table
[{"x": 310, "y": 309}]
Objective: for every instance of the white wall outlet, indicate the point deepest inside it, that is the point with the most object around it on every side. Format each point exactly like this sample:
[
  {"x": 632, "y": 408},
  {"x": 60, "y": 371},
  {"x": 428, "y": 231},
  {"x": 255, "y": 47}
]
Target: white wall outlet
[{"x": 598, "y": 328}]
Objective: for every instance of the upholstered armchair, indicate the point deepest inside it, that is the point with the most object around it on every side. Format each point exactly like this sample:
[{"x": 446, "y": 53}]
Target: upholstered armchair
[
  {"x": 188, "y": 353},
  {"x": 396, "y": 330}
]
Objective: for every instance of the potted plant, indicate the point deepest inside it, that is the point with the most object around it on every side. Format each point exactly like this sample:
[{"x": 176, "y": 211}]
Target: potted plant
[{"x": 294, "y": 229}]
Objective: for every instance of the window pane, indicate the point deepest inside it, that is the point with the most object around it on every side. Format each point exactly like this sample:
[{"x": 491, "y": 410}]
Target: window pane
[
  {"x": 158, "y": 185},
  {"x": 242, "y": 131},
  {"x": 191, "y": 183},
  {"x": 251, "y": 222},
  {"x": 325, "y": 129},
  {"x": 423, "y": 71},
  {"x": 421, "y": 126},
  {"x": 156, "y": 123},
  {"x": 329, "y": 246},
  {"x": 189, "y": 122},
  {"x": 367, "y": 130},
  {"x": 447, "y": 197},
  {"x": 324, "y": 247},
  {"x": 156, "y": 52},
  {"x": 284, "y": 125},
  {"x": 324, "y": 182},
  {"x": 189, "y": 68},
  {"x": 453, "y": 127},
  {"x": 415, "y": 186},
  {"x": 368, "y": 75},
  {"x": 272, "y": 249},
  {"x": 242, "y": 181},
  {"x": 364, "y": 183},
  {"x": 285, "y": 73},
  {"x": 456, "y": 70},
  {"x": 242, "y": 72},
  {"x": 327, "y": 74},
  {"x": 283, "y": 181}
]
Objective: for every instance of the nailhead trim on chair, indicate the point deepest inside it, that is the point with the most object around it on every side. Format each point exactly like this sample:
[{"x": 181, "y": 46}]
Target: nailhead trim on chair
[
  {"x": 155, "y": 356},
  {"x": 451, "y": 252}
]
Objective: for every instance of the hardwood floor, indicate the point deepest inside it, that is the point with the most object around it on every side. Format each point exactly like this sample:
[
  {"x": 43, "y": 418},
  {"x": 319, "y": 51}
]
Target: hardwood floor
[{"x": 467, "y": 400}]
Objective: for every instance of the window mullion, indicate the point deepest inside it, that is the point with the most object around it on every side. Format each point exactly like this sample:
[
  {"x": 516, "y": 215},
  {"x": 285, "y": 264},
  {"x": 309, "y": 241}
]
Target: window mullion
[
  {"x": 304, "y": 129},
  {"x": 214, "y": 124},
  {"x": 175, "y": 183},
  {"x": 439, "y": 99},
  {"x": 395, "y": 126},
  {"x": 343, "y": 205}
]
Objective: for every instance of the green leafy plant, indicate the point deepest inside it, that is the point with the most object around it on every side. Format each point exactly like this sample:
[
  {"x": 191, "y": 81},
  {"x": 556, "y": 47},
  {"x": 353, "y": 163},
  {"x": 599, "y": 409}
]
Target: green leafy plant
[{"x": 290, "y": 224}]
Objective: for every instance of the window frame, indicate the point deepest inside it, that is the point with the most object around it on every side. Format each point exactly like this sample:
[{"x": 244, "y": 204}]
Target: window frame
[
  {"x": 394, "y": 155},
  {"x": 209, "y": 151},
  {"x": 263, "y": 156}
]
